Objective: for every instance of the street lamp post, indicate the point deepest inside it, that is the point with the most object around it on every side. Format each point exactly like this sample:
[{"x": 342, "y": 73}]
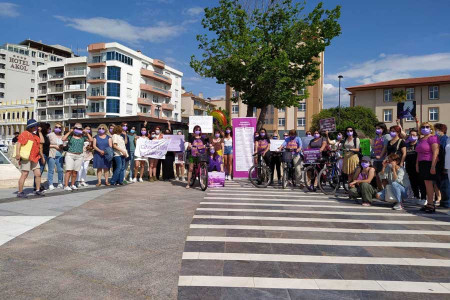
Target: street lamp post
[{"x": 339, "y": 109}]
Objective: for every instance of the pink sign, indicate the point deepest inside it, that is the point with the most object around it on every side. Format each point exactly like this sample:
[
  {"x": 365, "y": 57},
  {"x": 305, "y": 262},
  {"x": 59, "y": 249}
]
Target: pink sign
[
  {"x": 311, "y": 155},
  {"x": 216, "y": 179},
  {"x": 243, "y": 145}
]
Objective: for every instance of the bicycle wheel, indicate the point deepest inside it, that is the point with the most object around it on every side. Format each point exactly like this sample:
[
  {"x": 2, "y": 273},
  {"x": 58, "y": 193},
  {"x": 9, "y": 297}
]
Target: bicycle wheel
[
  {"x": 259, "y": 176},
  {"x": 285, "y": 179},
  {"x": 311, "y": 175},
  {"x": 203, "y": 177},
  {"x": 329, "y": 181},
  {"x": 193, "y": 176}
]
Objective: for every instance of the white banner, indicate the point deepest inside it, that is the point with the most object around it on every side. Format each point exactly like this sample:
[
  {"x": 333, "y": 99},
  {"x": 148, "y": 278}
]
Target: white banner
[
  {"x": 244, "y": 147},
  {"x": 205, "y": 122},
  {"x": 156, "y": 149},
  {"x": 275, "y": 144}
]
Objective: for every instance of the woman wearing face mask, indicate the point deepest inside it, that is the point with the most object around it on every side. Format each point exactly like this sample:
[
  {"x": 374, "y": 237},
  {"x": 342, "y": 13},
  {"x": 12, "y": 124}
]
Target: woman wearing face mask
[
  {"x": 427, "y": 156},
  {"x": 275, "y": 162},
  {"x": 120, "y": 155},
  {"x": 132, "y": 135},
  {"x": 43, "y": 131},
  {"x": 417, "y": 184},
  {"x": 441, "y": 175},
  {"x": 351, "y": 149},
  {"x": 156, "y": 164},
  {"x": 228, "y": 153},
  {"x": 215, "y": 161},
  {"x": 74, "y": 156},
  {"x": 363, "y": 186},
  {"x": 111, "y": 129},
  {"x": 102, "y": 141},
  {"x": 56, "y": 157},
  {"x": 198, "y": 146},
  {"x": 139, "y": 160},
  {"x": 378, "y": 143},
  {"x": 294, "y": 145},
  {"x": 217, "y": 143},
  {"x": 87, "y": 157},
  {"x": 262, "y": 146},
  {"x": 318, "y": 142},
  {"x": 167, "y": 163},
  {"x": 395, "y": 145},
  {"x": 180, "y": 161},
  {"x": 308, "y": 134}
]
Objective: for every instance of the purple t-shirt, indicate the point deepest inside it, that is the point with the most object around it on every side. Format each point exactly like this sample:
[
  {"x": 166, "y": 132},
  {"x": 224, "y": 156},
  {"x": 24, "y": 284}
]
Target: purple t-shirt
[{"x": 424, "y": 150}]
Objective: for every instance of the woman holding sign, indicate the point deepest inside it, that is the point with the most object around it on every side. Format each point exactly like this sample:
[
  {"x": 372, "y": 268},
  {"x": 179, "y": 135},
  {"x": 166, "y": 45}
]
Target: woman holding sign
[
  {"x": 139, "y": 160},
  {"x": 156, "y": 135},
  {"x": 352, "y": 149},
  {"x": 197, "y": 145}
]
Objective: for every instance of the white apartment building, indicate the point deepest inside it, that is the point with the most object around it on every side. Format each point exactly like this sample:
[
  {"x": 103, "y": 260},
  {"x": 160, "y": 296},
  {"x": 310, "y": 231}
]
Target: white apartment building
[{"x": 18, "y": 63}]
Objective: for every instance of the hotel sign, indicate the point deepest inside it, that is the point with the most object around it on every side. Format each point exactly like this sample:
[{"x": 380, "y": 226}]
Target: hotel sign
[{"x": 19, "y": 63}]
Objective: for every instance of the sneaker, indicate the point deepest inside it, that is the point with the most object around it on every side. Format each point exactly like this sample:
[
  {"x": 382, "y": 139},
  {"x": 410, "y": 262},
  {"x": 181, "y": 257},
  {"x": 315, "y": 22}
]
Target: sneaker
[
  {"x": 60, "y": 186},
  {"x": 22, "y": 195},
  {"x": 51, "y": 187},
  {"x": 39, "y": 193},
  {"x": 124, "y": 182},
  {"x": 68, "y": 189},
  {"x": 421, "y": 202},
  {"x": 183, "y": 179},
  {"x": 140, "y": 180},
  {"x": 84, "y": 184},
  {"x": 397, "y": 206},
  {"x": 74, "y": 187}
]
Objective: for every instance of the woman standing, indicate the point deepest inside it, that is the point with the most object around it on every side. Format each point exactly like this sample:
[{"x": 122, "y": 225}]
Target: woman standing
[
  {"x": 44, "y": 130},
  {"x": 139, "y": 160},
  {"x": 217, "y": 143},
  {"x": 167, "y": 163},
  {"x": 396, "y": 145},
  {"x": 101, "y": 142},
  {"x": 275, "y": 162},
  {"x": 427, "y": 154},
  {"x": 87, "y": 157},
  {"x": 154, "y": 163},
  {"x": 55, "y": 157},
  {"x": 197, "y": 145},
  {"x": 228, "y": 153},
  {"x": 74, "y": 156},
  {"x": 120, "y": 154},
  {"x": 417, "y": 184},
  {"x": 180, "y": 161},
  {"x": 351, "y": 150}
]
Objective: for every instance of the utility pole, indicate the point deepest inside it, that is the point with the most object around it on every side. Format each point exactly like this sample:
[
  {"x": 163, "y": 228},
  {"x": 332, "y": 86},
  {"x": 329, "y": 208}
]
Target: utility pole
[{"x": 339, "y": 108}]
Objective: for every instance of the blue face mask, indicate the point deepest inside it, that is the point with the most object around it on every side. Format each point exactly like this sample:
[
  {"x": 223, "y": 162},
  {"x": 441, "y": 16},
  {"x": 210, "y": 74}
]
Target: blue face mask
[
  {"x": 275, "y": 138},
  {"x": 132, "y": 131}
]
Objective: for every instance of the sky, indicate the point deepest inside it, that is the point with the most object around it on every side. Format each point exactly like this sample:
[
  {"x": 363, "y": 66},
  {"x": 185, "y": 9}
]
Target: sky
[{"x": 381, "y": 40}]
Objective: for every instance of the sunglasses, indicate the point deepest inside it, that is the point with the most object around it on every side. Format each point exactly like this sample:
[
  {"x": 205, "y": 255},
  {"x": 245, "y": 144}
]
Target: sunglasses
[
  {"x": 425, "y": 127},
  {"x": 58, "y": 127},
  {"x": 349, "y": 130}
]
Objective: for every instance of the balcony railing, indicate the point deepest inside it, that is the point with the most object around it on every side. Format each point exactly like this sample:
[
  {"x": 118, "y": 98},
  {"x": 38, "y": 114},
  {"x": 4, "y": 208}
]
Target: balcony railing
[
  {"x": 74, "y": 115},
  {"x": 76, "y": 73},
  {"x": 55, "y": 103},
  {"x": 73, "y": 87},
  {"x": 97, "y": 93},
  {"x": 51, "y": 117},
  {"x": 55, "y": 90},
  {"x": 96, "y": 77},
  {"x": 93, "y": 110},
  {"x": 42, "y": 92},
  {"x": 56, "y": 76},
  {"x": 41, "y": 118},
  {"x": 42, "y": 79},
  {"x": 75, "y": 101},
  {"x": 41, "y": 104}
]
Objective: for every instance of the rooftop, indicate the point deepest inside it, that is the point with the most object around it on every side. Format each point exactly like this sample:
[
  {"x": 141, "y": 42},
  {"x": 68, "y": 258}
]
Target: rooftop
[
  {"x": 54, "y": 49},
  {"x": 402, "y": 82}
]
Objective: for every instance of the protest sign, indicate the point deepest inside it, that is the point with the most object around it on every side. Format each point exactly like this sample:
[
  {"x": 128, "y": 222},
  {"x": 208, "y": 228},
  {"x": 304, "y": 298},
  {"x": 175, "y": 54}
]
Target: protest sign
[
  {"x": 365, "y": 147},
  {"x": 328, "y": 124},
  {"x": 275, "y": 144},
  {"x": 156, "y": 149},
  {"x": 176, "y": 142},
  {"x": 205, "y": 122},
  {"x": 243, "y": 145},
  {"x": 406, "y": 109},
  {"x": 216, "y": 179},
  {"x": 311, "y": 155}
]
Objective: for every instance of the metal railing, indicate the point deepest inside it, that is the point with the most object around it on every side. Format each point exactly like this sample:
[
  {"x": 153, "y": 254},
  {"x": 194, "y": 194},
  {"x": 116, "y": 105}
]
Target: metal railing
[
  {"x": 74, "y": 115},
  {"x": 55, "y": 76},
  {"x": 96, "y": 77},
  {"x": 41, "y": 104},
  {"x": 76, "y": 73},
  {"x": 51, "y": 117},
  {"x": 100, "y": 109},
  {"x": 42, "y": 92},
  {"x": 42, "y": 79},
  {"x": 75, "y": 101},
  {"x": 97, "y": 93},
  {"x": 55, "y": 102},
  {"x": 55, "y": 90},
  {"x": 73, "y": 87}
]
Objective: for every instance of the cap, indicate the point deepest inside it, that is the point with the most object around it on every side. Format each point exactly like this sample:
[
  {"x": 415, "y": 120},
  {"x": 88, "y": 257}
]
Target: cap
[{"x": 32, "y": 123}]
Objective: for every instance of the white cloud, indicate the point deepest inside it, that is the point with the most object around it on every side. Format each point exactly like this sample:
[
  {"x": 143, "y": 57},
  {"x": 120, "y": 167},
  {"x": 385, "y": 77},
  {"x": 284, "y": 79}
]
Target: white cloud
[
  {"x": 394, "y": 66},
  {"x": 124, "y": 31},
  {"x": 8, "y": 9},
  {"x": 192, "y": 79},
  {"x": 331, "y": 96},
  {"x": 194, "y": 11}
]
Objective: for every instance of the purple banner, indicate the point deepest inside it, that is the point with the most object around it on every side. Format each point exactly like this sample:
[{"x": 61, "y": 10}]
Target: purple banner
[
  {"x": 216, "y": 179},
  {"x": 243, "y": 145},
  {"x": 311, "y": 155},
  {"x": 176, "y": 142},
  {"x": 328, "y": 124}
]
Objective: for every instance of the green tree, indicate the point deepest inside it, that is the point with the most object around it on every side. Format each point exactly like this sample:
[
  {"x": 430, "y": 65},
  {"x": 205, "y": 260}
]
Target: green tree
[
  {"x": 358, "y": 117},
  {"x": 399, "y": 96},
  {"x": 266, "y": 52}
]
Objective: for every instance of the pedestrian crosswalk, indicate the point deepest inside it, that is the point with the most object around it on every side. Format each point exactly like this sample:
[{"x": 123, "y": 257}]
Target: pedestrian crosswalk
[{"x": 250, "y": 243}]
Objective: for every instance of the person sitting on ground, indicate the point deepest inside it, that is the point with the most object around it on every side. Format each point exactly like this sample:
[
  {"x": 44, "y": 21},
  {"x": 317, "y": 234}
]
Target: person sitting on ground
[
  {"x": 215, "y": 161},
  {"x": 396, "y": 176},
  {"x": 362, "y": 186}
]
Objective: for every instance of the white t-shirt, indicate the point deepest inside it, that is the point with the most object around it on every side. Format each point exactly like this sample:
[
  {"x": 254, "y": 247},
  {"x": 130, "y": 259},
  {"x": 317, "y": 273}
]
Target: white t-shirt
[{"x": 119, "y": 140}]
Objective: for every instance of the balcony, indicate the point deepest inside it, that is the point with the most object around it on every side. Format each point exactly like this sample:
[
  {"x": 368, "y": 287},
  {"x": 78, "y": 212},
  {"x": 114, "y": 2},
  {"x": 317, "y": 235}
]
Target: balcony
[
  {"x": 75, "y": 87},
  {"x": 155, "y": 90},
  {"x": 42, "y": 79},
  {"x": 58, "y": 76},
  {"x": 41, "y": 104},
  {"x": 75, "y": 101},
  {"x": 55, "y": 117},
  {"x": 76, "y": 73},
  {"x": 97, "y": 95},
  {"x": 145, "y": 101},
  {"x": 41, "y": 118},
  {"x": 101, "y": 64},
  {"x": 51, "y": 90},
  {"x": 42, "y": 92},
  {"x": 147, "y": 114},
  {"x": 96, "y": 112},
  {"x": 97, "y": 79},
  {"x": 159, "y": 63},
  {"x": 96, "y": 47},
  {"x": 200, "y": 107},
  {"x": 156, "y": 76},
  {"x": 167, "y": 106},
  {"x": 51, "y": 103}
]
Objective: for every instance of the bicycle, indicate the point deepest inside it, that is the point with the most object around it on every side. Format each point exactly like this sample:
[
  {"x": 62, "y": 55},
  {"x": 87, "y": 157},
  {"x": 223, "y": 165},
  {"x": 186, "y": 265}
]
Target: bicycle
[
  {"x": 288, "y": 169},
  {"x": 200, "y": 171},
  {"x": 313, "y": 161},
  {"x": 330, "y": 177},
  {"x": 259, "y": 174}
]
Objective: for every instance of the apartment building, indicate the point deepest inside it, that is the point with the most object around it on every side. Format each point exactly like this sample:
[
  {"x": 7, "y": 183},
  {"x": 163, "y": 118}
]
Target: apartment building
[
  {"x": 14, "y": 115},
  {"x": 112, "y": 81},
  {"x": 192, "y": 105},
  {"x": 18, "y": 64},
  {"x": 432, "y": 96}
]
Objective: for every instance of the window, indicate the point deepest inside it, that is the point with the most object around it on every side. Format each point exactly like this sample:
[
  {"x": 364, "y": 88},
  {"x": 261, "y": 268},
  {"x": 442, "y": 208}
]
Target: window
[
  {"x": 32, "y": 90},
  {"x": 113, "y": 89},
  {"x": 388, "y": 95},
  {"x": 113, "y": 106},
  {"x": 155, "y": 99},
  {"x": 433, "y": 114},
  {"x": 96, "y": 106},
  {"x": 114, "y": 73},
  {"x": 2, "y": 85},
  {"x": 176, "y": 93},
  {"x": 176, "y": 116},
  {"x": 32, "y": 80},
  {"x": 281, "y": 122},
  {"x": 113, "y": 55},
  {"x": 301, "y": 92},
  {"x": 33, "y": 53},
  {"x": 129, "y": 93},
  {"x": 2, "y": 95},
  {"x": 387, "y": 115},
  {"x": 282, "y": 110},
  {"x": 129, "y": 108},
  {"x": 129, "y": 78},
  {"x": 300, "y": 122},
  {"x": 97, "y": 59},
  {"x": 2, "y": 75},
  {"x": 433, "y": 92},
  {"x": 157, "y": 110},
  {"x": 410, "y": 93},
  {"x": 302, "y": 106},
  {"x": 235, "y": 109},
  {"x": 409, "y": 119},
  {"x": 145, "y": 109}
]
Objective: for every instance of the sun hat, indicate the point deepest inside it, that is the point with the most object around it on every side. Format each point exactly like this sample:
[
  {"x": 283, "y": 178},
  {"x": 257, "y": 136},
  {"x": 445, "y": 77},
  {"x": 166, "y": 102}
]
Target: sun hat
[{"x": 32, "y": 123}]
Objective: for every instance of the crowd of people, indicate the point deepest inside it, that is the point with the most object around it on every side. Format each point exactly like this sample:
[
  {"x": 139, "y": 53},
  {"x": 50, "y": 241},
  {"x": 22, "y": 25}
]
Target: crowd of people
[{"x": 402, "y": 165}]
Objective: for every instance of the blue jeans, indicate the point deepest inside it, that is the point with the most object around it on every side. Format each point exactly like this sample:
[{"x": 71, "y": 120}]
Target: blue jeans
[
  {"x": 119, "y": 171},
  {"x": 42, "y": 167},
  {"x": 58, "y": 161},
  {"x": 130, "y": 162},
  {"x": 445, "y": 191},
  {"x": 398, "y": 190}
]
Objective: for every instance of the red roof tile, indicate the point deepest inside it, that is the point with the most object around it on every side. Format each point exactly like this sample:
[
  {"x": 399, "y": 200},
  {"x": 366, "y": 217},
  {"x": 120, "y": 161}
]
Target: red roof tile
[{"x": 402, "y": 82}]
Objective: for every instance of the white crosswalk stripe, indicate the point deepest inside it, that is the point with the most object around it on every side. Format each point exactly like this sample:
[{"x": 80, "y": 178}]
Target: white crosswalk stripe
[{"x": 243, "y": 237}]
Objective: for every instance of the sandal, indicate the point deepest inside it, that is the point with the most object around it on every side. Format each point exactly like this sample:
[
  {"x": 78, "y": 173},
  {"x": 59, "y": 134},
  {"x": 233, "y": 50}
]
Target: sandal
[
  {"x": 98, "y": 184},
  {"x": 107, "y": 184},
  {"x": 430, "y": 209}
]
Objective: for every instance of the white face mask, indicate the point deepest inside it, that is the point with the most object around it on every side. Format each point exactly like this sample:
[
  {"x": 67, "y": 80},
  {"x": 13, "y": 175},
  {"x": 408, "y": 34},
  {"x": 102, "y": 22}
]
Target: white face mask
[
  {"x": 157, "y": 131},
  {"x": 153, "y": 135}
]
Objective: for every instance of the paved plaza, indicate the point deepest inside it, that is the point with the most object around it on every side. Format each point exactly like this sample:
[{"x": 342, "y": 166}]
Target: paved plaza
[{"x": 161, "y": 241}]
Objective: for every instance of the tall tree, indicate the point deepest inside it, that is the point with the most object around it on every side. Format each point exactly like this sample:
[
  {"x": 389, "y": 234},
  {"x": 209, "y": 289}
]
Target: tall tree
[{"x": 266, "y": 52}]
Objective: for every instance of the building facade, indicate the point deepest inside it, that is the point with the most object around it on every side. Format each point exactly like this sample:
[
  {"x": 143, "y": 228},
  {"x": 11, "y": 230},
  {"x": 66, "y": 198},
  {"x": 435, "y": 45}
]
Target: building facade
[
  {"x": 112, "y": 81},
  {"x": 14, "y": 115},
  {"x": 18, "y": 64},
  {"x": 432, "y": 96},
  {"x": 192, "y": 105},
  {"x": 284, "y": 119}
]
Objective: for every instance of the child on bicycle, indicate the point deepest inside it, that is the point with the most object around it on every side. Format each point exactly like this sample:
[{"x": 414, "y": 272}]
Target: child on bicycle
[
  {"x": 197, "y": 145},
  {"x": 294, "y": 144}
]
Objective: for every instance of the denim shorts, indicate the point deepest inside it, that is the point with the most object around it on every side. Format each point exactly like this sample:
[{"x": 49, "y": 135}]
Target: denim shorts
[{"x": 228, "y": 150}]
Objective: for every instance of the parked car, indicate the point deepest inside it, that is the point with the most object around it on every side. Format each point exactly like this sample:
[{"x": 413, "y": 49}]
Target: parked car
[{"x": 4, "y": 148}]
